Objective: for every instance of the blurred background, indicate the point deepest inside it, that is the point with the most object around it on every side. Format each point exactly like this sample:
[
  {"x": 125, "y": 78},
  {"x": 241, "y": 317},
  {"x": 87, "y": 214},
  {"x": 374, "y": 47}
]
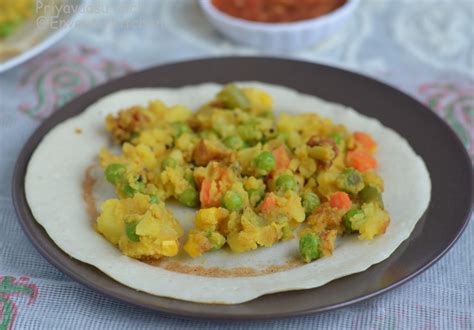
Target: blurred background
[{"x": 54, "y": 50}]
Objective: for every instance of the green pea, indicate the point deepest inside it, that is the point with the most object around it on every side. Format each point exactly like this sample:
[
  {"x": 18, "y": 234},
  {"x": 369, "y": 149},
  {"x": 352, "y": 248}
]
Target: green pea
[
  {"x": 265, "y": 162},
  {"x": 234, "y": 142},
  {"x": 310, "y": 201},
  {"x": 130, "y": 230},
  {"x": 286, "y": 232},
  {"x": 309, "y": 247},
  {"x": 169, "y": 162},
  {"x": 353, "y": 177},
  {"x": 189, "y": 197},
  {"x": 352, "y": 216},
  {"x": 371, "y": 194},
  {"x": 114, "y": 172},
  {"x": 350, "y": 180},
  {"x": 154, "y": 199},
  {"x": 233, "y": 97},
  {"x": 180, "y": 128},
  {"x": 255, "y": 196},
  {"x": 216, "y": 239},
  {"x": 285, "y": 183},
  {"x": 232, "y": 201}
]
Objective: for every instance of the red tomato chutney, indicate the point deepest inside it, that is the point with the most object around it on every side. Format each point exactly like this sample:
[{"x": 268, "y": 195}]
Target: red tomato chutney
[{"x": 277, "y": 11}]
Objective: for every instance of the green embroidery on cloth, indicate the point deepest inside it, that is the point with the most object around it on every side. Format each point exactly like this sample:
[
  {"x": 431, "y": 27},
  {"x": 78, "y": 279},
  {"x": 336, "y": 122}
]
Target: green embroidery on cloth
[{"x": 10, "y": 287}]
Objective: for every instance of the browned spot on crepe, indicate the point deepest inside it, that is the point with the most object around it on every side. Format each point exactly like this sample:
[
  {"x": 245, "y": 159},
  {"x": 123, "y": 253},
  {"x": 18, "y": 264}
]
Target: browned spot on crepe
[
  {"x": 87, "y": 193},
  {"x": 180, "y": 267}
]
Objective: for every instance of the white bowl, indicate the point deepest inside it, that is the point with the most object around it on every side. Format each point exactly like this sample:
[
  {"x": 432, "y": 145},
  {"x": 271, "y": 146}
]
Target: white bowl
[{"x": 278, "y": 36}]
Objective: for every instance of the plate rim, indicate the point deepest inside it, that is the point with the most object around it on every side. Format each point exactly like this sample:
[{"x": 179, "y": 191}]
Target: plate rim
[{"x": 24, "y": 214}]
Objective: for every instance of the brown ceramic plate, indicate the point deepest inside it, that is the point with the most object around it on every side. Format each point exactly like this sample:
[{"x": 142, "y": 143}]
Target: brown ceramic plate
[{"x": 439, "y": 228}]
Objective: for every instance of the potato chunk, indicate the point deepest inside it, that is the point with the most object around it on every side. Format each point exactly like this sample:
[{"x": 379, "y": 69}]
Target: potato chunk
[{"x": 139, "y": 228}]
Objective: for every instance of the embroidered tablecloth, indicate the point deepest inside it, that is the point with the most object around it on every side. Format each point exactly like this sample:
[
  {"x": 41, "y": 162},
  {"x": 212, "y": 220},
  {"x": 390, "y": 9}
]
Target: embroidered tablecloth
[{"x": 425, "y": 48}]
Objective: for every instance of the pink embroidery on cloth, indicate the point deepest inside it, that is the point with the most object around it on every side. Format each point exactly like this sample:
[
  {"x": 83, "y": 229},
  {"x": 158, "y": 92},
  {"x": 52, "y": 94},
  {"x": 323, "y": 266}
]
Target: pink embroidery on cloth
[
  {"x": 455, "y": 103},
  {"x": 10, "y": 287},
  {"x": 59, "y": 75}
]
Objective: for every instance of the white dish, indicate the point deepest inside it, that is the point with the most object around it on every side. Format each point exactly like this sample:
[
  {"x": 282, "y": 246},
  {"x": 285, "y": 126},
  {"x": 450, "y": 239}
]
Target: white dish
[
  {"x": 279, "y": 36},
  {"x": 40, "y": 32}
]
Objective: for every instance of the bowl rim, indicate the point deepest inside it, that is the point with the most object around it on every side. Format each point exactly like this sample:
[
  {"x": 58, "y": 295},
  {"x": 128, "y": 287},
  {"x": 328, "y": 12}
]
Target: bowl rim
[{"x": 336, "y": 14}]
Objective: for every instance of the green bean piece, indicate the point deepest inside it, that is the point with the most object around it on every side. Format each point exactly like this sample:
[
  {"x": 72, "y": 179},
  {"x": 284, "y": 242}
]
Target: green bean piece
[
  {"x": 189, "y": 197},
  {"x": 169, "y": 162},
  {"x": 285, "y": 183},
  {"x": 216, "y": 239},
  {"x": 190, "y": 178},
  {"x": 249, "y": 133},
  {"x": 265, "y": 162},
  {"x": 180, "y": 128},
  {"x": 310, "y": 201},
  {"x": 350, "y": 217},
  {"x": 310, "y": 247},
  {"x": 371, "y": 194},
  {"x": 128, "y": 190},
  {"x": 287, "y": 233},
  {"x": 154, "y": 199},
  {"x": 337, "y": 137},
  {"x": 130, "y": 230},
  {"x": 255, "y": 196},
  {"x": 114, "y": 172},
  {"x": 232, "y": 97},
  {"x": 232, "y": 201},
  {"x": 133, "y": 136},
  {"x": 208, "y": 135}
]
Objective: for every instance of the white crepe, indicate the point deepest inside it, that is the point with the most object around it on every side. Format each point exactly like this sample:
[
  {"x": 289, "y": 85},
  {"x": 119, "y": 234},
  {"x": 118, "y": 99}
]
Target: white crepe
[{"x": 56, "y": 171}]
